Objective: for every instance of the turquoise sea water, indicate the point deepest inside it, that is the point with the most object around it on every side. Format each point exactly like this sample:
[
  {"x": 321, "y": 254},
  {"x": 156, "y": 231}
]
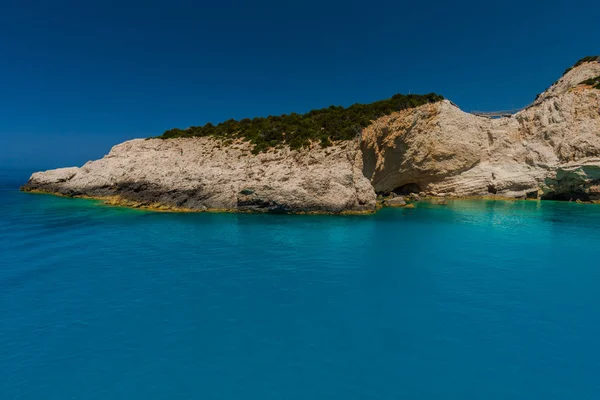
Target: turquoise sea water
[{"x": 476, "y": 300}]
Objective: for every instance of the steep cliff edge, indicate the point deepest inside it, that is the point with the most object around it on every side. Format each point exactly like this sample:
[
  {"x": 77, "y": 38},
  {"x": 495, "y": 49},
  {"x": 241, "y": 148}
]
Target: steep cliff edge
[
  {"x": 205, "y": 174},
  {"x": 549, "y": 150}
]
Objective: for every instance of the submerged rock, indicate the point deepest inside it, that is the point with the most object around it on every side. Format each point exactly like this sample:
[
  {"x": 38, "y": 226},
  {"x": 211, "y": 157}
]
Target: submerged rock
[
  {"x": 395, "y": 202},
  {"x": 414, "y": 197}
]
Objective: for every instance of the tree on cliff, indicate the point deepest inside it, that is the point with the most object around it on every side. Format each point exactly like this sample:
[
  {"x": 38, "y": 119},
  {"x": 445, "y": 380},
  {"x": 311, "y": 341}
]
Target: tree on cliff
[{"x": 298, "y": 130}]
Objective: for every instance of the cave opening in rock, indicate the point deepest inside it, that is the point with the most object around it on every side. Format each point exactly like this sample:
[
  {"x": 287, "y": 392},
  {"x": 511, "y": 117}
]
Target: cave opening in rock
[
  {"x": 566, "y": 196},
  {"x": 407, "y": 189}
]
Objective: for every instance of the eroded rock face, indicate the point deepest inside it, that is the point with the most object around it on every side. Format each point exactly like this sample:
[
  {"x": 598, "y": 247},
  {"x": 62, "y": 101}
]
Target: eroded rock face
[
  {"x": 421, "y": 146},
  {"x": 203, "y": 173},
  {"x": 549, "y": 150},
  {"x": 535, "y": 153}
]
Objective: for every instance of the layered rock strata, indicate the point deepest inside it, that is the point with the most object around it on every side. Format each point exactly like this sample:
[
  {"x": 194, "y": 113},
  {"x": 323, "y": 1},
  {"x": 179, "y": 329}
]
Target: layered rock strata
[{"x": 550, "y": 150}]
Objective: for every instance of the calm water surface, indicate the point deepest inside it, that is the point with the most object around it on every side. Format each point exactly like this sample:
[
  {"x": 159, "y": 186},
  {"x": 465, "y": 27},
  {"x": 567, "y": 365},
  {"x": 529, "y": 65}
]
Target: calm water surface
[{"x": 476, "y": 300}]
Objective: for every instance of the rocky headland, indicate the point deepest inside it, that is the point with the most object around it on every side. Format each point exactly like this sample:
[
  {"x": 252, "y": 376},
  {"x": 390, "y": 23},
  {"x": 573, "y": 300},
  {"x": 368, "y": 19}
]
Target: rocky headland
[{"x": 549, "y": 150}]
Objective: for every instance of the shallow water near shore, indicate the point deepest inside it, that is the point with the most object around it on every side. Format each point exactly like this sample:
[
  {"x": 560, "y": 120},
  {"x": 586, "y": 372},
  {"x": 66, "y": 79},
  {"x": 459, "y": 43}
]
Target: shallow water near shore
[{"x": 476, "y": 299}]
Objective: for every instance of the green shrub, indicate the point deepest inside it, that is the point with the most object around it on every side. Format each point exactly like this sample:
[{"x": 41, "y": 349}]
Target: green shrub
[
  {"x": 298, "y": 130},
  {"x": 594, "y": 82}
]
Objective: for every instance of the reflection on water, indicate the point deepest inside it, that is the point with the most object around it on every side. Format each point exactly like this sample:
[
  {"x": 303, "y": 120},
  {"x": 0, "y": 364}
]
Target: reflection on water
[{"x": 476, "y": 299}]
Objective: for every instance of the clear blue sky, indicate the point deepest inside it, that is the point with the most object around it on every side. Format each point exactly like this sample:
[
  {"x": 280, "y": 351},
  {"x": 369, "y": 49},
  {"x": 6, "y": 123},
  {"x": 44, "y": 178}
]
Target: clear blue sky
[{"x": 77, "y": 77}]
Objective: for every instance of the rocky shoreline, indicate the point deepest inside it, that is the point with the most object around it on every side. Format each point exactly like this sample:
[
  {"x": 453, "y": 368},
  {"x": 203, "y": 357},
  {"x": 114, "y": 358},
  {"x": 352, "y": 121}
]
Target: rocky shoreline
[
  {"x": 390, "y": 201},
  {"x": 550, "y": 150}
]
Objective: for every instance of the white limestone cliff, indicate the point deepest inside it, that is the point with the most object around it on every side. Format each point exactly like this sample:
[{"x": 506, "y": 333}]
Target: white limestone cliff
[
  {"x": 549, "y": 150},
  {"x": 205, "y": 174}
]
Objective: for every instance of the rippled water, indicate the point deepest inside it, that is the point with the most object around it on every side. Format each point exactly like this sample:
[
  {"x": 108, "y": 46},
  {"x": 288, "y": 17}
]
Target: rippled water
[{"x": 476, "y": 300}]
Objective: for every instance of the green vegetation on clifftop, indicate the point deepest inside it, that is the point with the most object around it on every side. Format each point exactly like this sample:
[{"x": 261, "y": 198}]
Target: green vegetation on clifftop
[
  {"x": 583, "y": 60},
  {"x": 298, "y": 130}
]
